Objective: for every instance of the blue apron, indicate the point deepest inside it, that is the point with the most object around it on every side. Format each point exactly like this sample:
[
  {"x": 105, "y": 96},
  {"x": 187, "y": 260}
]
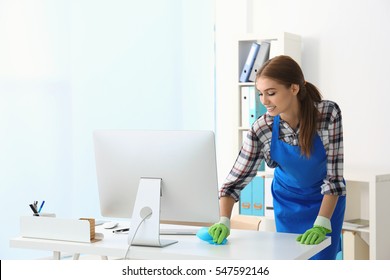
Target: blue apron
[{"x": 296, "y": 190}]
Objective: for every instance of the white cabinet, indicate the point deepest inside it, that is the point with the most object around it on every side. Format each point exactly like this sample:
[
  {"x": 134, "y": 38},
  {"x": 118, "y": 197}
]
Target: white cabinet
[{"x": 368, "y": 197}]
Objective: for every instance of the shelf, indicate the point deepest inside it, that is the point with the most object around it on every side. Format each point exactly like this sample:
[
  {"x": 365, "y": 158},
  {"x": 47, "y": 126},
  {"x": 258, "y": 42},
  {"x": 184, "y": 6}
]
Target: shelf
[
  {"x": 247, "y": 84},
  {"x": 367, "y": 198},
  {"x": 265, "y": 174},
  {"x": 356, "y": 229}
]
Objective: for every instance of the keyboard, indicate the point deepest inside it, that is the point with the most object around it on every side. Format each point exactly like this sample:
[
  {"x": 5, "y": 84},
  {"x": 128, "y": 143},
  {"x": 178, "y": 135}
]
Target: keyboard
[
  {"x": 178, "y": 231},
  {"x": 166, "y": 231}
]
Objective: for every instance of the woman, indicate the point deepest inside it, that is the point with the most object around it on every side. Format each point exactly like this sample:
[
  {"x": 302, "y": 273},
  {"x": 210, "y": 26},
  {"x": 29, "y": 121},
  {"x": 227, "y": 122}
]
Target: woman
[{"x": 300, "y": 136}]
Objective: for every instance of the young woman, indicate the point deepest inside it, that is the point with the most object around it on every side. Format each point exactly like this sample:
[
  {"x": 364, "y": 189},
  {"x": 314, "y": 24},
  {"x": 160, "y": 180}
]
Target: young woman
[{"x": 300, "y": 136}]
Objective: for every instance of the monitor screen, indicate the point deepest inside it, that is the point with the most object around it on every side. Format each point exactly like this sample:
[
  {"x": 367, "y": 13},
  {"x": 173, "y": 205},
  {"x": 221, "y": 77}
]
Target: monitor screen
[{"x": 183, "y": 161}]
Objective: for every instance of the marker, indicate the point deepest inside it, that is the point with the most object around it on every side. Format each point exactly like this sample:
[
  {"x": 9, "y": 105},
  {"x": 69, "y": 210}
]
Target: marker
[
  {"x": 40, "y": 207},
  {"x": 34, "y": 210}
]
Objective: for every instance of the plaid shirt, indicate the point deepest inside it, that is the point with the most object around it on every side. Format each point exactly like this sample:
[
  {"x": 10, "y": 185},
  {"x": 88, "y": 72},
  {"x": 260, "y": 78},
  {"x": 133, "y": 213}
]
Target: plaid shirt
[{"x": 257, "y": 147}]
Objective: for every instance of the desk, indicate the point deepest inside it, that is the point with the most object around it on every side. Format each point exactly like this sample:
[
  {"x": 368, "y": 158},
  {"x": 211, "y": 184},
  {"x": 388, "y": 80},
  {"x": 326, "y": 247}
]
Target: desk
[{"x": 242, "y": 245}]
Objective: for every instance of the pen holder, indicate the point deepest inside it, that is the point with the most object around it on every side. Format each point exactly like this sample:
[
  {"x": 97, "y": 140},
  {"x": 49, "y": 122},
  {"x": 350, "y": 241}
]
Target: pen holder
[{"x": 76, "y": 230}]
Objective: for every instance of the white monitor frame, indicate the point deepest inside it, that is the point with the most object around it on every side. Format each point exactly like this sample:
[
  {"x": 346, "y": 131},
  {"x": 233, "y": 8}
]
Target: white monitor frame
[{"x": 184, "y": 188}]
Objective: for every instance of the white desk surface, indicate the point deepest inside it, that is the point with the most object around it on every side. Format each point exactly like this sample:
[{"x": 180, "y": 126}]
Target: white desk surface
[{"x": 242, "y": 245}]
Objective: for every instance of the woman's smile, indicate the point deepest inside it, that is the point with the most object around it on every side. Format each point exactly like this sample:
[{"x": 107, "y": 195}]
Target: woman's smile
[{"x": 270, "y": 108}]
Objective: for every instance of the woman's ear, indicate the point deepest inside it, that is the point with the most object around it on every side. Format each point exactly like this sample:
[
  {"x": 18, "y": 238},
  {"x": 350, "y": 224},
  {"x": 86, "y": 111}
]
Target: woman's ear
[{"x": 294, "y": 89}]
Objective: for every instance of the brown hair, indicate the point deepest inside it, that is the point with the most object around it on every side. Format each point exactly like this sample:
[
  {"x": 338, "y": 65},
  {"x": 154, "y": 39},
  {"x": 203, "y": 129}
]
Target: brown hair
[{"x": 286, "y": 71}]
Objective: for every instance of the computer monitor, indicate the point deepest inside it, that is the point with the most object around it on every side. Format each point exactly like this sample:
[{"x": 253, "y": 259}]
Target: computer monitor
[{"x": 154, "y": 176}]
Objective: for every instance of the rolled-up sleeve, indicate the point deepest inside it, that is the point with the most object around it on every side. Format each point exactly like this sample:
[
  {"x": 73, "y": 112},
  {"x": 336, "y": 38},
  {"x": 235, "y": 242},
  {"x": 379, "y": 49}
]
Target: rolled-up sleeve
[{"x": 334, "y": 183}]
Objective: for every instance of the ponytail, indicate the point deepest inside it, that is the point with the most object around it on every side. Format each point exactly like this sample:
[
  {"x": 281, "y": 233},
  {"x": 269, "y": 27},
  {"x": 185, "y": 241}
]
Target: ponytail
[{"x": 308, "y": 96}]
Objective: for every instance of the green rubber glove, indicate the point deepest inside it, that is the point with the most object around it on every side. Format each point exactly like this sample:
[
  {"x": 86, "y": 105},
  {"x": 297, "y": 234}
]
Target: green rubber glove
[
  {"x": 317, "y": 233},
  {"x": 221, "y": 230}
]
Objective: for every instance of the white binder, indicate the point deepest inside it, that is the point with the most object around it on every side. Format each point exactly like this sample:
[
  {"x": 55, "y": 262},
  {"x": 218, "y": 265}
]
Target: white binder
[
  {"x": 261, "y": 58},
  {"x": 245, "y": 122}
]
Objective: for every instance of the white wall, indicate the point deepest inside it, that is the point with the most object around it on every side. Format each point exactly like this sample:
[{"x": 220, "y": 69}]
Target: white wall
[
  {"x": 69, "y": 67},
  {"x": 345, "y": 53},
  {"x": 231, "y": 20}
]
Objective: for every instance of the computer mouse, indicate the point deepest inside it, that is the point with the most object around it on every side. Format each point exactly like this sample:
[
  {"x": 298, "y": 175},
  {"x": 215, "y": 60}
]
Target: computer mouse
[
  {"x": 110, "y": 225},
  {"x": 203, "y": 234}
]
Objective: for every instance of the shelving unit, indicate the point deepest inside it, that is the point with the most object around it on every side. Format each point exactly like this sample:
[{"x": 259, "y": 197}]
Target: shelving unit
[
  {"x": 258, "y": 193},
  {"x": 368, "y": 198}
]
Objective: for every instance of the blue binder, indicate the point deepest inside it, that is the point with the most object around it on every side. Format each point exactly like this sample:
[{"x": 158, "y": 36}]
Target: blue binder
[
  {"x": 252, "y": 198},
  {"x": 246, "y": 200},
  {"x": 246, "y": 71},
  {"x": 258, "y": 196}
]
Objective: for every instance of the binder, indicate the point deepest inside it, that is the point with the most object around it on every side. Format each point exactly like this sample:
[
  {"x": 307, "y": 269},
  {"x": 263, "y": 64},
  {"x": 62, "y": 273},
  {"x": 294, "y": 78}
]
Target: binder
[
  {"x": 246, "y": 200},
  {"x": 250, "y": 60},
  {"x": 251, "y": 106},
  {"x": 252, "y": 198},
  {"x": 256, "y": 108},
  {"x": 261, "y": 58},
  {"x": 268, "y": 199},
  {"x": 258, "y": 196},
  {"x": 245, "y": 107}
]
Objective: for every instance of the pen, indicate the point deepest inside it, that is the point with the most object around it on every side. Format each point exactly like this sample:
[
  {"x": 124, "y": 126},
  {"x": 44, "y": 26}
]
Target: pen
[
  {"x": 34, "y": 210},
  {"x": 120, "y": 230},
  {"x": 40, "y": 207}
]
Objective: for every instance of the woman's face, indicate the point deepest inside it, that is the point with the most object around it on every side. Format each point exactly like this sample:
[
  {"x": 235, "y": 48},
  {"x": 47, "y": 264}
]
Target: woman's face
[{"x": 277, "y": 98}]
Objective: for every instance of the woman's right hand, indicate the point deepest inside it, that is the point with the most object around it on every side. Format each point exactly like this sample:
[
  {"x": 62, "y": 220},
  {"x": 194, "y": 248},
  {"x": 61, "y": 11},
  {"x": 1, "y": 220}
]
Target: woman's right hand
[{"x": 221, "y": 230}]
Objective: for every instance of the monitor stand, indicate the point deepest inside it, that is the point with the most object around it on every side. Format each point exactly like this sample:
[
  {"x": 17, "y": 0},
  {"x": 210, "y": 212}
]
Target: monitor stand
[{"x": 146, "y": 231}]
